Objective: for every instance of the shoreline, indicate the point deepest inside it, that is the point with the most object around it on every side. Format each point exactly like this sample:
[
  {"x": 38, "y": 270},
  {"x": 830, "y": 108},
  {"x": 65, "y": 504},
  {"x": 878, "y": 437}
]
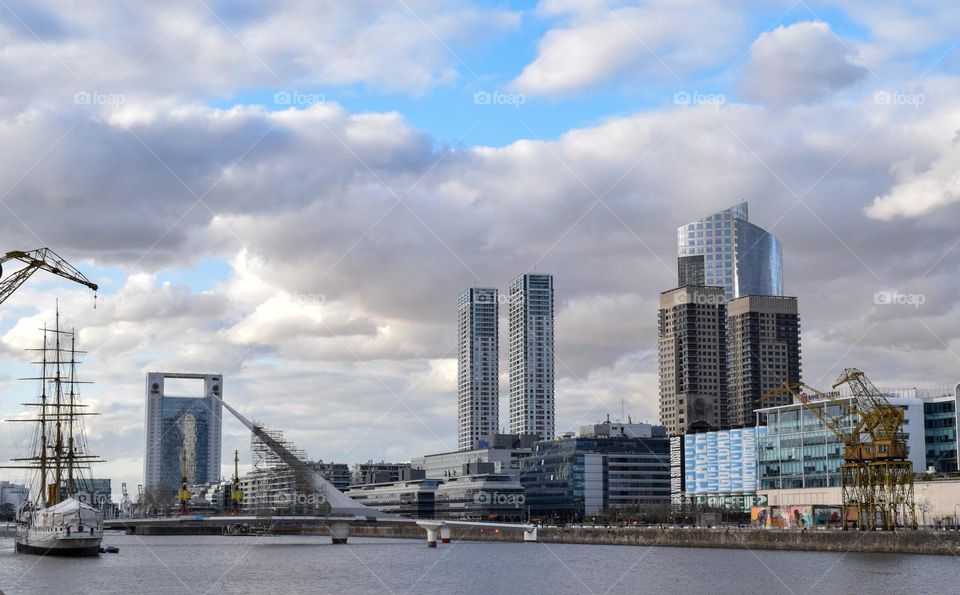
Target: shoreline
[
  {"x": 940, "y": 543},
  {"x": 899, "y": 542}
]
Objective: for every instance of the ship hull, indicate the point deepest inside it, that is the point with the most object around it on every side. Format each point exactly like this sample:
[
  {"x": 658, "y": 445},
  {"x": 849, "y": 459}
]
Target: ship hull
[{"x": 78, "y": 548}]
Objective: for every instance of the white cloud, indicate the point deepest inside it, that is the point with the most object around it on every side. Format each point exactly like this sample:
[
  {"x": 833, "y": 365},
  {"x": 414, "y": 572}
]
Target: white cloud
[
  {"x": 919, "y": 193},
  {"x": 190, "y": 50},
  {"x": 602, "y": 43},
  {"x": 801, "y": 63}
]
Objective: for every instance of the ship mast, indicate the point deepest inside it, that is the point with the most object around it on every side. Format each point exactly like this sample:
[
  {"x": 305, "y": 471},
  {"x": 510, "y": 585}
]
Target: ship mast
[
  {"x": 43, "y": 421},
  {"x": 58, "y": 408},
  {"x": 71, "y": 487},
  {"x": 61, "y": 455}
]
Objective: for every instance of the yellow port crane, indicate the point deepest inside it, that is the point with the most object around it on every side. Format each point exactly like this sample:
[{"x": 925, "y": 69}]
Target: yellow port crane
[
  {"x": 43, "y": 259},
  {"x": 184, "y": 494},
  {"x": 876, "y": 478},
  {"x": 236, "y": 495}
]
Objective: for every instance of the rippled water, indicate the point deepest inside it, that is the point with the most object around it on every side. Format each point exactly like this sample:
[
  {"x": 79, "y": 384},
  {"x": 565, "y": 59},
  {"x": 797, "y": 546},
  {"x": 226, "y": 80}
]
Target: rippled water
[{"x": 312, "y": 565}]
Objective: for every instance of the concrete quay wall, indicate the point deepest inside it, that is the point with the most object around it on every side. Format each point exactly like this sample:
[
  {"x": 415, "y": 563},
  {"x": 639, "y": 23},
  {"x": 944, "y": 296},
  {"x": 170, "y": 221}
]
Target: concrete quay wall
[{"x": 900, "y": 542}]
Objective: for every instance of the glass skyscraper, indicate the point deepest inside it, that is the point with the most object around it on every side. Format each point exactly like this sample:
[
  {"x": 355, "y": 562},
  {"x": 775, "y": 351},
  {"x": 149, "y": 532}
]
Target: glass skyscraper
[
  {"x": 725, "y": 249},
  {"x": 182, "y": 431}
]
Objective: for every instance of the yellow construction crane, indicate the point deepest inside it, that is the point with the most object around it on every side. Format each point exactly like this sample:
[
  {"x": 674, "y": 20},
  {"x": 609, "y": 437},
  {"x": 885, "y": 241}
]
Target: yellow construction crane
[
  {"x": 236, "y": 495},
  {"x": 36, "y": 260},
  {"x": 184, "y": 494},
  {"x": 876, "y": 478}
]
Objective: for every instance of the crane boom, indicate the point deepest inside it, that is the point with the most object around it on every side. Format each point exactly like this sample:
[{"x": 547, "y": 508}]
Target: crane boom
[{"x": 42, "y": 259}]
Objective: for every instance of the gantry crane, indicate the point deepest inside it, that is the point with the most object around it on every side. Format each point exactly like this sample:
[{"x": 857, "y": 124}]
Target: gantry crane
[
  {"x": 876, "y": 478},
  {"x": 877, "y": 475},
  {"x": 236, "y": 495},
  {"x": 43, "y": 259}
]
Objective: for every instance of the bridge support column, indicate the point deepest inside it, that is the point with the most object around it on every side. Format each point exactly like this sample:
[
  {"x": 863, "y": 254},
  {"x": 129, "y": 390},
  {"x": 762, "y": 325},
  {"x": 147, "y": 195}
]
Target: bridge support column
[
  {"x": 444, "y": 534},
  {"x": 339, "y": 532},
  {"x": 530, "y": 535},
  {"x": 432, "y": 528}
]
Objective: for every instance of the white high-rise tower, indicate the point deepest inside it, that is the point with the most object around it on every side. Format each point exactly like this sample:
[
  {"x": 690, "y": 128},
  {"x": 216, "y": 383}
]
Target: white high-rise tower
[
  {"x": 531, "y": 355},
  {"x": 478, "y": 366}
]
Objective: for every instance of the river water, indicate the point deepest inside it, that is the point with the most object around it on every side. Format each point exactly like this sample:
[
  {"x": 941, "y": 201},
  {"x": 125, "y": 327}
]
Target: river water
[{"x": 293, "y": 564}]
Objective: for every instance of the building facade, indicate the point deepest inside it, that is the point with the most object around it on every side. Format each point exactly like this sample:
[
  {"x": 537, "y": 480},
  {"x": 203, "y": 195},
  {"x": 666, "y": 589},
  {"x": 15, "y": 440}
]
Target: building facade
[
  {"x": 12, "y": 497},
  {"x": 531, "y": 355},
  {"x": 720, "y": 468},
  {"x": 503, "y": 451},
  {"x": 579, "y": 477},
  {"x": 182, "y": 427},
  {"x": 382, "y": 472},
  {"x": 940, "y": 422},
  {"x": 763, "y": 347},
  {"x": 693, "y": 359},
  {"x": 798, "y": 451},
  {"x": 478, "y": 366},
  {"x": 480, "y": 497},
  {"x": 725, "y": 249},
  {"x": 414, "y": 498}
]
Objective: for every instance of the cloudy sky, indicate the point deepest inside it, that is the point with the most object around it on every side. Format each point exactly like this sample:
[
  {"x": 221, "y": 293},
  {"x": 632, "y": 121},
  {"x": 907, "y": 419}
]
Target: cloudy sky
[{"x": 293, "y": 194}]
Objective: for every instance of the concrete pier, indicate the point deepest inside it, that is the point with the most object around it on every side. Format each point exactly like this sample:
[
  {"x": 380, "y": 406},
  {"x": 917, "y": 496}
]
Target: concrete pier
[{"x": 339, "y": 532}]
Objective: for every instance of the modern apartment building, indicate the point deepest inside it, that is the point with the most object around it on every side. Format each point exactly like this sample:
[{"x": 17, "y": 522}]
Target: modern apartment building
[
  {"x": 478, "y": 390},
  {"x": 763, "y": 346},
  {"x": 531, "y": 356},
  {"x": 693, "y": 359},
  {"x": 725, "y": 249}
]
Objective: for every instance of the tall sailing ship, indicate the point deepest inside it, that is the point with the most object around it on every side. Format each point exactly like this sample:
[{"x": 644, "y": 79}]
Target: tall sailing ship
[{"x": 57, "y": 520}]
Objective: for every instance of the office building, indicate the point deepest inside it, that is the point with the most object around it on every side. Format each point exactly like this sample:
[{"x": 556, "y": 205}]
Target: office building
[
  {"x": 382, "y": 472},
  {"x": 503, "y": 451},
  {"x": 799, "y": 452},
  {"x": 725, "y": 249},
  {"x": 720, "y": 468},
  {"x": 476, "y": 495},
  {"x": 411, "y": 498},
  {"x": 478, "y": 367},
  {"x": 182, "y": 427},
  {"x": 578, "y": 477},
  {"x": 763, "y": 346},
  {"x": 93, "y": 491},
  {"x": 12, "y": 497},
  {"x": 531, "y": 307},
  {"x": 940, "y": 422},
  {"x": 693, "y": 359}
]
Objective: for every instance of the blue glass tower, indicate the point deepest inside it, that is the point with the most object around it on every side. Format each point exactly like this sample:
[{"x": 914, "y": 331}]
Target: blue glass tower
[{"x": 725, "y": 249}]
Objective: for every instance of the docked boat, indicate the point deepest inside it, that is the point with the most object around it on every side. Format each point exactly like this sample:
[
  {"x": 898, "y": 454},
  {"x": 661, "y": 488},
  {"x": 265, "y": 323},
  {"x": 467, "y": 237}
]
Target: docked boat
[{"x": 57, "y": 520}]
